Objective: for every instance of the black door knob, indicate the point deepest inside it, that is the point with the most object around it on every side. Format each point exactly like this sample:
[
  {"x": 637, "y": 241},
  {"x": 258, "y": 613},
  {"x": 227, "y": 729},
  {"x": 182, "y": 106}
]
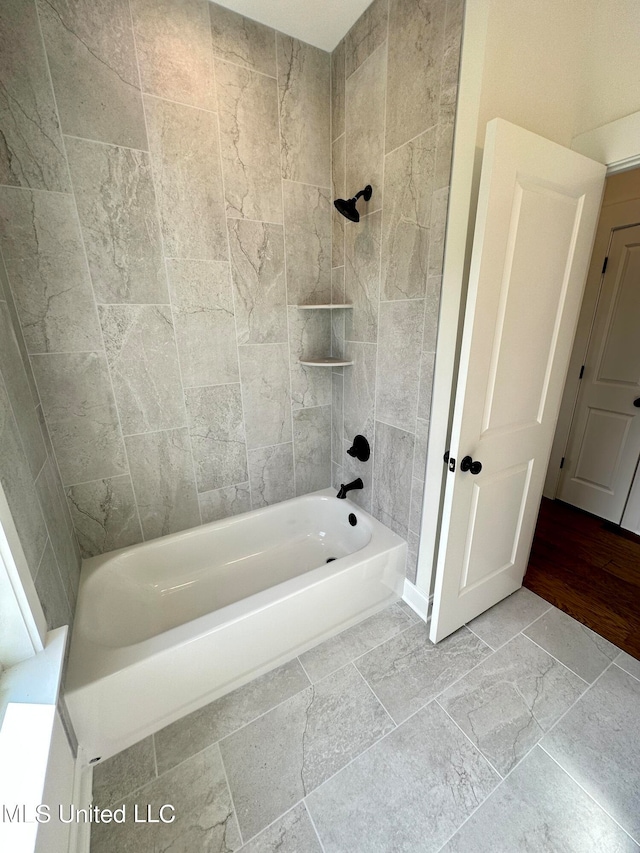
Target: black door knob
[
  {"x": 467, "y": 464},
  {"x": 636, "y": 403}
]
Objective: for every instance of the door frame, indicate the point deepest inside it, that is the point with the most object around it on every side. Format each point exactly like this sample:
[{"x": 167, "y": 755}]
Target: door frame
[{"x": 616, "y": 144}]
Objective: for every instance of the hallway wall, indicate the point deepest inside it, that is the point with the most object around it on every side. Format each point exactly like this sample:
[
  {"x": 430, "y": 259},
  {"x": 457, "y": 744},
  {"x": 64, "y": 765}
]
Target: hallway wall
[{"x": 164, "y": 203}]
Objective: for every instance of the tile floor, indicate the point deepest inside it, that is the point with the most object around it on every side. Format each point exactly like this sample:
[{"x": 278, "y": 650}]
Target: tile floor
[{"x": 521, "y": 732}]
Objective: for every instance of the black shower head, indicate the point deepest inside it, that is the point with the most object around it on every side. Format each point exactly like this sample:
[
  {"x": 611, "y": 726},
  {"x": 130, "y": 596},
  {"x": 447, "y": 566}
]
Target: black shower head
[{"x": 347, "y": 207}]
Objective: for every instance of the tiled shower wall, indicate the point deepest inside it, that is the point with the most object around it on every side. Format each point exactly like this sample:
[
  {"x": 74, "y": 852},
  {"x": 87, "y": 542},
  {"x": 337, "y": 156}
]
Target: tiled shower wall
[
  {"x": 394, "y": 88},
  {"x": 164, "y": 203}
]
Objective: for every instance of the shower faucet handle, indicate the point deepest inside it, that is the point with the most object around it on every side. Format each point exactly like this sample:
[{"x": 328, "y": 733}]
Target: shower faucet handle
[{"x": 360, "y": 448}]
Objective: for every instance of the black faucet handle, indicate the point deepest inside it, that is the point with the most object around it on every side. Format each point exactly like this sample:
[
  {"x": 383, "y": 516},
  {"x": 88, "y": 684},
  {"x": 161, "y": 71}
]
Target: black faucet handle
[{"x": 360, "y": 448}]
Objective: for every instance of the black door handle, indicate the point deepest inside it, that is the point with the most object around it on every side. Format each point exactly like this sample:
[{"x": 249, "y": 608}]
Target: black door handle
[
  {"x": 636, "y": 403},
  {"x": 467, "y": 464}
]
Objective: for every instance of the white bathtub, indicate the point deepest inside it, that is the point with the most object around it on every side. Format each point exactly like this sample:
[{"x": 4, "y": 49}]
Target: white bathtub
[{"x": 165, "y": 627}]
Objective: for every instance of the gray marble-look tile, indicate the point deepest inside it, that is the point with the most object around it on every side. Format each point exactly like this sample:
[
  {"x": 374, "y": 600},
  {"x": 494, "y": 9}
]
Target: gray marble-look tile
[
  {"x": 408, "y": 793},
  {"x": 629, "y": 664},
  {"x": 359, "y": 391},
  {"x": 222, "y": 503},
  {"x": 260, "y": 291},
  {"x": 173, "y": 43},
  {"x": 408, "y": 186},
  {"x": 117, "y": 207},
  {"x": 16, "y": 379},
  {"x": 204, "y": 814},
  {"x": 93, "y": 65},
  {"x": 431, "y": 313},
  {"x": 408, "y": 670},
  {"x": 288, "y": 752},
  {"x": 163, "y": 481},
  {"x": 309, "y": 335},
  {"x": 437, "y": 228},
  {"x": 59, "y": 535},
  {"x": 539, "y": 808},
  {"x": 510, "y": 616},
  {"x": 249, "y": 143},
  {"x": 427, "y": 365},
  {"x": 292, "y": 833},
  {"x": 597, "y": 744},
  {"x": 226, "y": 715},
  {"x": 81, "y": 415},
  {"x": 420, "y": 450},
  {"x": 354, "y": 642},
  {"x": 32, "y": 153},
  {"x": 337, "y": 90},
  {"x": 203, "y": 316},
  {"x": 337, "y": 417},
  {"x": 576, "y": 646},
  {"x": 312, "y": 449},
  {"x": 217, "y": 436},
  {"x": 411, "y": 569},
  {"x": 307, "y": 228},
  {"x": 339, "y": 190},
  {"x": 19, "y": 488},
  {"x": 242, "y": 41},
  {"x": 368, "y": 33},
  {"x": 416, "y": 46},
  {"x": 185, "y": 159},
  {"x": 452, "y": 43},
  {"x": 446, "y": 121},
  {"x": 365, "y": 109},
  {"x": 105, "y": 516},
  {"x": 399, "y": 349},
  {"x": 392, "y": 476},
  {"x": 129, "y": 770},
  {"x": 271, "y": 474},
  {"x": 143, "y": 360},
  {"x": 304, "y": 94},
  {"x": 264, "y": 370},
  {"x": 362, "y": 277},
  {"x": 417, "y": 498},
  {"x": 337, "y": 475},
  {"x": 507, "y": 703},
  {"x": 51, "y": 593}
]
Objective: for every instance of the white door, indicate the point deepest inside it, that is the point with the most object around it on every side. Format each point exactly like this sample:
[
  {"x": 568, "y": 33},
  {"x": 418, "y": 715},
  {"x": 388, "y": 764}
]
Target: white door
[
  {"x": 604, "y": 443},
  {"x": 537, "y": 211}
]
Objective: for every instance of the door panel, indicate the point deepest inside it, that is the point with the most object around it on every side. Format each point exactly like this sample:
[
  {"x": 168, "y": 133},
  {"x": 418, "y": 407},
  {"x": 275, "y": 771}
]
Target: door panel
[
  {"x": 604, "y": 442},
  {"x": 537, "y": 210}
]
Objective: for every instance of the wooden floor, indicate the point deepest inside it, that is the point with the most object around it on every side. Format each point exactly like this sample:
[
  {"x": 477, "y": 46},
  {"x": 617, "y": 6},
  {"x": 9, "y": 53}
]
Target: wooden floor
[{"x": 589, "y": 569}]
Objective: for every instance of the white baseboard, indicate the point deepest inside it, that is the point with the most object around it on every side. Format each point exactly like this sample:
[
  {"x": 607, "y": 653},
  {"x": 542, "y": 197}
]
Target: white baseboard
[
  {"x": 417, "y": 600},
  {"x": 80, "y": 836}
]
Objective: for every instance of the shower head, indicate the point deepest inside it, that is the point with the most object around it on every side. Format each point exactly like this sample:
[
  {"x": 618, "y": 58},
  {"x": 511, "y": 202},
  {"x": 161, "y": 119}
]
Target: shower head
[{"x": 347, "y": 207}]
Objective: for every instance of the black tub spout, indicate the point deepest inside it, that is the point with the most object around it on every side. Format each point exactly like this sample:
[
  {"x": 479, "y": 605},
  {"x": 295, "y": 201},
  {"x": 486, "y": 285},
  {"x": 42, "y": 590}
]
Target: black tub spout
[{"x": 356, "y": 484}]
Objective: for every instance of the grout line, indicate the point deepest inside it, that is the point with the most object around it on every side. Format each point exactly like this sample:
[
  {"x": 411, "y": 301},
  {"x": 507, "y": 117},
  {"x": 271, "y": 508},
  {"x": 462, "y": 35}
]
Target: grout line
[
  {"x": 620, "y": 667},
  {"x": 272, "y": 823},
  {"x": 313, "y": 824},
  {"x": 413, "y": 139},
  {"x": 557, "y": 660},
  {"x": 67, "y": 352},
  {"x": 304, "y": 670},
  {"x": 233, "y": 805},
  {"x": 476, "y": 748},
  {"x": 64, "y": 193},
  {"x": 376, "y": 697},
  {"x": 144, "y": 95},
  {"x": 246, "y": 219},
  {"x": 591, "y": 796},
  {"x": 155, "y": 754},
  {"x": 251, "y": 70},
  {"x": 106, "y": 144}
]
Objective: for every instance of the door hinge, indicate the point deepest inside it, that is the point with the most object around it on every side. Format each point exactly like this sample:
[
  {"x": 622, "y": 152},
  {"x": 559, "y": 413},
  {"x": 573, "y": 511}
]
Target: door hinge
[
  {"x": 604, "y": 265},
  {"x": 562, "y": 462},
  {"x": 581, "y": 372}
]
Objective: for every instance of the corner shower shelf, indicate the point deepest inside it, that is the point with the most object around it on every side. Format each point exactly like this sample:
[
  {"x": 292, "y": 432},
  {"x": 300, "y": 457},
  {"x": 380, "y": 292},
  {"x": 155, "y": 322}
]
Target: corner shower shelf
[{"x": 330, "y": 360}]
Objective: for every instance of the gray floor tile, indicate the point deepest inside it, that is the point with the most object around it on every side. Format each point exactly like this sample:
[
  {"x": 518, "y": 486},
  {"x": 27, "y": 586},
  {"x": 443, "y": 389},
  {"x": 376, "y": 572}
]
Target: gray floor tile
[
  {"x": 629, "y": 664},
  {"x": 408, "y": 670},
  {"x": 204, "y": 727},
  {"x": 354, "y": 642},
  {"x": 293, "y": 833},
  {"x": 507, "y": 704},
  {"x": 510, "y": 616},
  {"x": 582, "y": 650},
  {"x": 274, "y": 761},
  {"x": 410, "y": 612},
  {"x": 408, "y": 793},
  {"x": 539, "y": 809},
  {"x": 598, "y": 744},
  {"x": 205, "y": 821},
  {"x": 127, "y": 771}
]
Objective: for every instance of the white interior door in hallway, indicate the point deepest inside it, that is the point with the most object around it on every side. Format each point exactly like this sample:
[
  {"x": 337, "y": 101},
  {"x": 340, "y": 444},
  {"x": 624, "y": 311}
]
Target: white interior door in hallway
[
  {"x": 537, "y": 211},
  {"x": 604, "y": 443}
]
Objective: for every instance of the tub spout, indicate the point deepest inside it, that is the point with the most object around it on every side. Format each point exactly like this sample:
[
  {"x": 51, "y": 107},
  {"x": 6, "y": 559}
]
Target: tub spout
[{"x": 356, "y": 484}]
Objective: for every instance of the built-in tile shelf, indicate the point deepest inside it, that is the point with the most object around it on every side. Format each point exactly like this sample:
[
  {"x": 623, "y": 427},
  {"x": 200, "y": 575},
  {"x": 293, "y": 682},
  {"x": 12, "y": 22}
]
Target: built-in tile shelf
[{"x": 328, "y": 361}]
